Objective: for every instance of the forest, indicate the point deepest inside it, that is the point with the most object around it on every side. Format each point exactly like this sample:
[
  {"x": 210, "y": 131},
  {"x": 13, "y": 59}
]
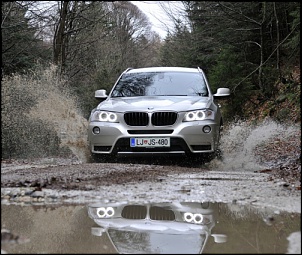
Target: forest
[{"x": 253, "y": 48}]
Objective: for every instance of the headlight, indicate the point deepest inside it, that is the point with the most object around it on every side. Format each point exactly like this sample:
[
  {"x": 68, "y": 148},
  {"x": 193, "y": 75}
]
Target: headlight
[
  {"x": 205, "y": 114},
  {"x": 104, "y": 116}
]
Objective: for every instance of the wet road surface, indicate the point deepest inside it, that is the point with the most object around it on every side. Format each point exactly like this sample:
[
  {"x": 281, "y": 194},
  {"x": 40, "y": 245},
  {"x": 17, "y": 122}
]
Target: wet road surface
[
  {"x": 47, "y": 204},
  {"x": 69, "y": 229}
]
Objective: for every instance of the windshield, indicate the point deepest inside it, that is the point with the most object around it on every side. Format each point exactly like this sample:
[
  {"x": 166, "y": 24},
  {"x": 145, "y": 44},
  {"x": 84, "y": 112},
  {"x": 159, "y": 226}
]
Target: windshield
[{"x": 160, "y": 84}]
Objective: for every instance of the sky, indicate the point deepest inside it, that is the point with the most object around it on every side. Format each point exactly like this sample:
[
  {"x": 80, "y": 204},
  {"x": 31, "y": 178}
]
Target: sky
[{"x": 156, "y": 15}]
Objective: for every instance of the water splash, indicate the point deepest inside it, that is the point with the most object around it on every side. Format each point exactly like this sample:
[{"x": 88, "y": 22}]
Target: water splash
[
  {"x": 63, "y": 116},
  {"x": 58, "y": 108},
  {"x": 239, "y": 140}
]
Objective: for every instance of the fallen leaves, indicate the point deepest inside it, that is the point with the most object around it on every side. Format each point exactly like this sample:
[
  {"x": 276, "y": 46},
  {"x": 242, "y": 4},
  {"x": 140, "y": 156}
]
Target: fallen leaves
[{"x": 283, "y": 154}]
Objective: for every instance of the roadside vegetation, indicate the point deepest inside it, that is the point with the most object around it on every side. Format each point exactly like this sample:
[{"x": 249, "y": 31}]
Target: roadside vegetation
[{"x": 72, "y": 48}]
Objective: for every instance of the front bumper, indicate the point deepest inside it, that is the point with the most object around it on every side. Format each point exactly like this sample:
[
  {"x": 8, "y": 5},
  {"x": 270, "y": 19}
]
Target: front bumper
[{"x": 186, "y": 137}]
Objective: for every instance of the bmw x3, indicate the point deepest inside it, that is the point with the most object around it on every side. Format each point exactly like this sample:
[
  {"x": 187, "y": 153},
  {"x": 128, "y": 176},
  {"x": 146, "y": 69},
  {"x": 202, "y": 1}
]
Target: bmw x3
[{"x": 157, "y": 111}]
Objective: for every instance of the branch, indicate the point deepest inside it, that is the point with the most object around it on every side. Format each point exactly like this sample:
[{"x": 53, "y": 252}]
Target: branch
[
  {"x": 240, "y": 13},
  {"x": 266, "y": 59}
]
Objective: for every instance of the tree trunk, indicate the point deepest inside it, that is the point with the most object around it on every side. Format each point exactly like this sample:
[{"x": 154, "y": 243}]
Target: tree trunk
[
  {"x": 260, "y": 81},
  {"x": 58, "y": 42},
  {"x": 278, "y": 38}
]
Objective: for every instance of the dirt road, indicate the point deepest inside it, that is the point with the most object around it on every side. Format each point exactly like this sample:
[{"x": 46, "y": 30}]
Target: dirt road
[{"x": 56, "y": 180}]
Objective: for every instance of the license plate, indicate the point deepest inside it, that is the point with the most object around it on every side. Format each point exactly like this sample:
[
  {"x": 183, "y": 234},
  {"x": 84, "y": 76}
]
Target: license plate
[{"x": 150, "y": 142}]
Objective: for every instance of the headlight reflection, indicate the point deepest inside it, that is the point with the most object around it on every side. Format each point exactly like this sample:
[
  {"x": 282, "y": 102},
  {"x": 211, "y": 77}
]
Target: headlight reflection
[
  {"x": 193, "y": 218},
  {"x": 105, "y": 212}
]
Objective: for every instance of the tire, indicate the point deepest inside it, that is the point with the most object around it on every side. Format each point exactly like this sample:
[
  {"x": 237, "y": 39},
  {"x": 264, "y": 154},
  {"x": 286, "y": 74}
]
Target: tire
[
  {"x": 196, "y": 158},
  {"x": 101, "y": 158}
]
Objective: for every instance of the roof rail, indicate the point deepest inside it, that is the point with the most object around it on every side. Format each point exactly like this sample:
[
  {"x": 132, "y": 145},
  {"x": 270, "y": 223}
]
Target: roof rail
[
  {"x": 129, "y": 68},
  {"x": 126, "y": 70}
]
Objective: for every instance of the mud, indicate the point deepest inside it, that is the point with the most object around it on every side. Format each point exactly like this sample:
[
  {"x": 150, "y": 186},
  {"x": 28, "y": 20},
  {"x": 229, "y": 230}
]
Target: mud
[{"x": 155, "y": 182}]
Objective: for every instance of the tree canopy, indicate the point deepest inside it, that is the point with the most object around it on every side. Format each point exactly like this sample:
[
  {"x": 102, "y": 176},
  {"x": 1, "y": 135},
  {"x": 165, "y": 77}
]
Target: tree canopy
[{"x": 248, "y": 47}]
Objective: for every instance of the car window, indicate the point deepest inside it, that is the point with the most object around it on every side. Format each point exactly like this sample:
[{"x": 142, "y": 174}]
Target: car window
[{"x": 160, "y": 84}]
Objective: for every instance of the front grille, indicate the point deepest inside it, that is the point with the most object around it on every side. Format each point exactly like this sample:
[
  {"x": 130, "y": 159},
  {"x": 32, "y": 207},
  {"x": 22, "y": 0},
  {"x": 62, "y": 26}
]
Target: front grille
[
  {"x": 136, "y": 212},
  {"x": 160, "y": 213},
  {"x": 146, "y": 132},
  {"x": 157, "y": 118},
  {"x": 163, "y": 118},
  {"x": 136, "y": 118},
  {"x": 139, "y": 212}
]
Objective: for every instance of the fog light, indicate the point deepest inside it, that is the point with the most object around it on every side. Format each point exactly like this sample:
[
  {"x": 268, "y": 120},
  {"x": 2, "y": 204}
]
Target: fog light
[
  {"x": 206, "y": 129},
  {"x": 96, "y": 130}
]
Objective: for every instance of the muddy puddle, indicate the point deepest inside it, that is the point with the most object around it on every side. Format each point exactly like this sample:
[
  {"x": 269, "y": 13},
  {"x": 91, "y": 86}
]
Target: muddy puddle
[{"x": 123, "y": 227}]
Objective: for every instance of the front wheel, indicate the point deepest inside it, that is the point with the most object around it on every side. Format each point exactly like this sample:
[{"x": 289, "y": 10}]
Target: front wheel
[
  {"x": 101, "y": 158},
  {"x": 212, "y": 155}
]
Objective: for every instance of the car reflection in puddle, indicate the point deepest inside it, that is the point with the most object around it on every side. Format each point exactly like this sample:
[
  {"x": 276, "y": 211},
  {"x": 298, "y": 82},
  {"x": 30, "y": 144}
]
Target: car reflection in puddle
[
  {"x": 106, "y": 226},
  {"x": 155, "y": 227}
]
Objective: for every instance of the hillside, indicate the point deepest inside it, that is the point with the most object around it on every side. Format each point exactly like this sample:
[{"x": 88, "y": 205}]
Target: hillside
[{"x": 283, "y": 106}]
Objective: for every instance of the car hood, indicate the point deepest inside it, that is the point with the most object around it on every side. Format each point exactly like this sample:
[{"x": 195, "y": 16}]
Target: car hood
[{"x": 167, "y": 103}]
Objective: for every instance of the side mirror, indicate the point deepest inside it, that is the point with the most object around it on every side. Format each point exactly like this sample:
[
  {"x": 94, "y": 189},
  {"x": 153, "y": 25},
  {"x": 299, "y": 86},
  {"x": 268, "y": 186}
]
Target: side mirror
[
  {"x": 222, "y": 92},
  {"x": 96, "y": 231},
  {"x": 100, "y": 94},
  {"x": 219, "y": 238}
]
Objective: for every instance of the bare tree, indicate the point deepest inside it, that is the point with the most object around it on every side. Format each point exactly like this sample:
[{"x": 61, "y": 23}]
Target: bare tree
[
  {"x": 60, "y": 35},
  {"x": 22, "y": 44}
]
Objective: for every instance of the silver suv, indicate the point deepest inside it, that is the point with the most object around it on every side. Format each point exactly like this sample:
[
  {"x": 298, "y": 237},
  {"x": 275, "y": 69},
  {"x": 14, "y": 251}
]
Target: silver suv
[
  {"x": 156, "y": 110},
  {"x": 156, "y": 228}
]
